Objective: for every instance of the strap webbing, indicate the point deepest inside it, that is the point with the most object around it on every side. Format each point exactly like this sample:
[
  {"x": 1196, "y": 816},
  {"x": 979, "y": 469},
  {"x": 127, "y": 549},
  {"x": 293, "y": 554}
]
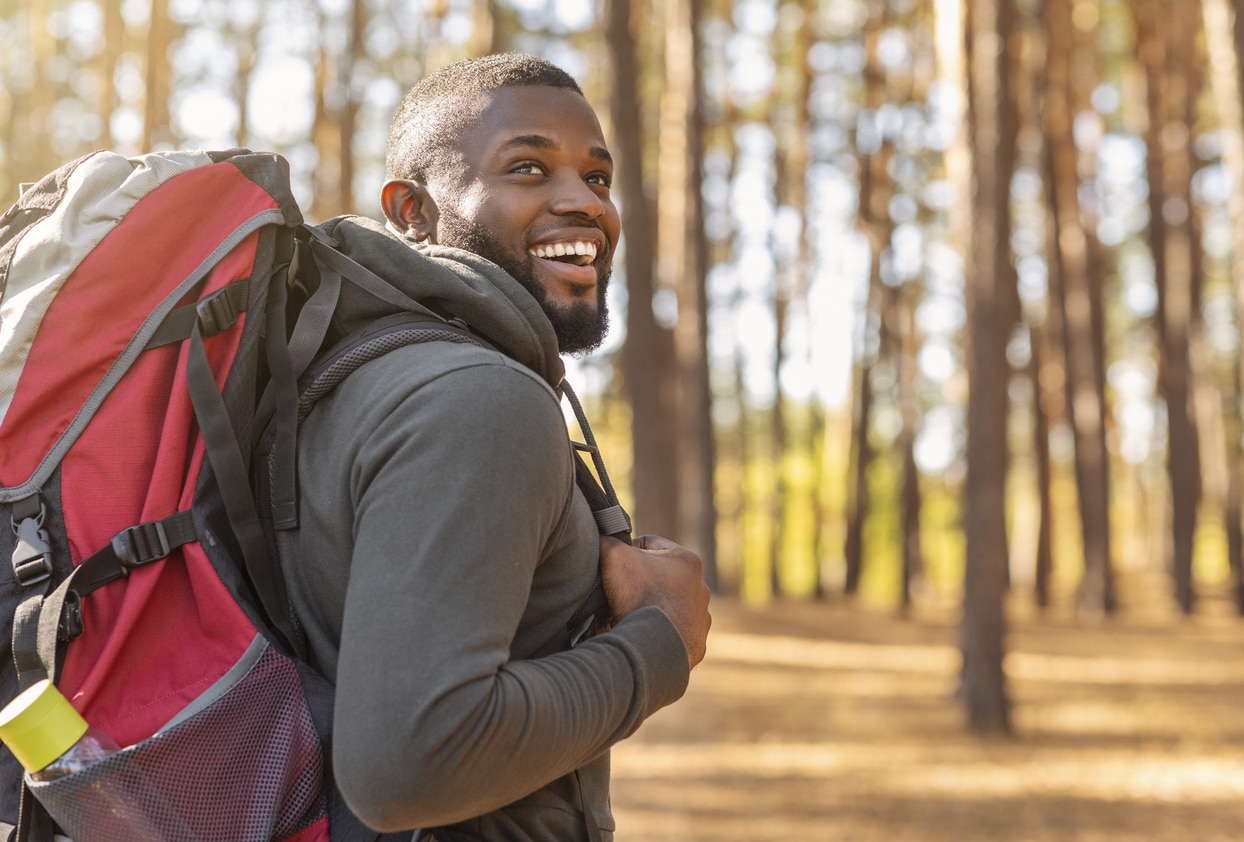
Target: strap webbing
[
  {"x": 308, "y": 335},
  {"x": 365, "y": 279},
  {"x": 41, "y": 620},
  {"x": 612, "y": 521},
  {"x": 178, "y": 324},
  {"x": 283, "y": 389},
  {"x": 314, "y": 318},
  {"x": 28, "y": 514},
  {"x": 27, "y": 659},
  {"x": 229, "y": 467},
  {"x": 134, "y": 547},
  {"x": 610, "y": 497}
]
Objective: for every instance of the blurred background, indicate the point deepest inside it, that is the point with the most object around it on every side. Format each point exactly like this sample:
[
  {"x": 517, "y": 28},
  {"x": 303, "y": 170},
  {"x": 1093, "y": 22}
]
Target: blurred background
[{"x": 926, "y": 335}]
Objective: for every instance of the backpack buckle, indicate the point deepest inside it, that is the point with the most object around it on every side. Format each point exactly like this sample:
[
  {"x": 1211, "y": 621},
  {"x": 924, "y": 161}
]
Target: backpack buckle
[
  {"x": 32, "y": 557},
  {"x": 70, "y": 625},
  {"x": 216, "y": 312},
  {"x": 140, "y": 545}
]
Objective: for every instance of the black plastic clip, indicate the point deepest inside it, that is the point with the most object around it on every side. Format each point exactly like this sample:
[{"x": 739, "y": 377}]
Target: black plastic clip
[
  {"x": 216, "y": 313},
  {"x": 140, "y": 545},
  {"x": 70, "y": 625},
  {"x": 32, "y": 557}
]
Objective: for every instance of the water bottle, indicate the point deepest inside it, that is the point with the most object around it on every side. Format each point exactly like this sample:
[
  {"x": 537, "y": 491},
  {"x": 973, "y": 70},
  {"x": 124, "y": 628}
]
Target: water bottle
[
  {"x": 48, "y": 737},
  {"x": 52, "y": 741}
]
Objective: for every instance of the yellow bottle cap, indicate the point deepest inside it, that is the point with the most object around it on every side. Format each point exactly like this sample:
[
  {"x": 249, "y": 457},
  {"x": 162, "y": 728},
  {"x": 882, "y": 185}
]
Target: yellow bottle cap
[{"x": 40, "y": 725}]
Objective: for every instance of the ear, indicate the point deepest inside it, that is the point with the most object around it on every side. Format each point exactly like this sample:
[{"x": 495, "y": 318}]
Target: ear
[{"x": 410, "y": 209}]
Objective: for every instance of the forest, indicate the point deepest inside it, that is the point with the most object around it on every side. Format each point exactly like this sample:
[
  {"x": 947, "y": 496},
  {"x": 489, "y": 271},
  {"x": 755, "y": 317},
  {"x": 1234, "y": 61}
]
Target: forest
[{"x": 919, "y": 301}]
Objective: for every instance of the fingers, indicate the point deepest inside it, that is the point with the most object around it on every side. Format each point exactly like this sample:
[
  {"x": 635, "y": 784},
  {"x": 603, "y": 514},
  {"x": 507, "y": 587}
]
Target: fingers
[{"x": 657, "y": 571}]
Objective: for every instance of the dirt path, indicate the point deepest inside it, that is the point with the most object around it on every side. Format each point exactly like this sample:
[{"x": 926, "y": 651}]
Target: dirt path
[{"x": 833, "y": 722}]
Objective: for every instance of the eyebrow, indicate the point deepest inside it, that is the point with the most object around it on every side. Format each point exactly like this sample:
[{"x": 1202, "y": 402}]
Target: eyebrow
[{"x": 539, "y": 141}]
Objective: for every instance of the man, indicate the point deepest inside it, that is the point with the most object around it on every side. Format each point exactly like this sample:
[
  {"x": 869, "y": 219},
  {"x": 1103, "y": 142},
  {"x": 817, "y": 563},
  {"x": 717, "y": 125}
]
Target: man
[{"x": 444, "y": 545}]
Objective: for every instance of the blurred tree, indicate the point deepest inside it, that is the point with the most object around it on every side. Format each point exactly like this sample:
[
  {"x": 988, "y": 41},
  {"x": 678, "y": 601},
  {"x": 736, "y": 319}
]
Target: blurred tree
[
  {"x": 648, "y": 353},
  {"x": 245, "y": 40},
  {"x": 911, "y": 85},
  {"x": 797, "y": 19},
  {"x": 1162, "y": 50},
  {"x": 682, "y": 261},
  {"x": 1075, "y": 292},
  {"x": 108, "y": 57},
  {"x": 337, "y": 108},
  {"x": 1042, "y": 321},
  {"x": 788, "y": 116},
  {"x": 992, "y": 140},
  {"x": 909, "y": 410},
  {"x": 157, "y": 122},
  {"x": 491, "y": 32},
  {"x": 1222, "y": 22},
  {"x": 875, "y": 192},
  {"x": 41, "y": 95}
]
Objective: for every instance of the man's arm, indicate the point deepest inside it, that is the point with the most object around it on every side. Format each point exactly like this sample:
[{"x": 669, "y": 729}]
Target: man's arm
[{"x": 458, "y": 491}]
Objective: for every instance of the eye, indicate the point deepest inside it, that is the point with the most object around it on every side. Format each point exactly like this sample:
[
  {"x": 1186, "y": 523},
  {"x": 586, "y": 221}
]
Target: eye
[
  {"x": 528, "y": 168},
  {"x": 600, "y": 178}
]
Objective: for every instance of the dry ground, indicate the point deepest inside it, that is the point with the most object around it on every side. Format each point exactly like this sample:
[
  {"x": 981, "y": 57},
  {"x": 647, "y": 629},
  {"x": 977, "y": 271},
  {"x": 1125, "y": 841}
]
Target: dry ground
[{"x": 836, "y": 722}]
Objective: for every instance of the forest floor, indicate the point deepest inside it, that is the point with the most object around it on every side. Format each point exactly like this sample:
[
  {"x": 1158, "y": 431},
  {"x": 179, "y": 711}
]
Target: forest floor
[{"x": 838, "y": 722}]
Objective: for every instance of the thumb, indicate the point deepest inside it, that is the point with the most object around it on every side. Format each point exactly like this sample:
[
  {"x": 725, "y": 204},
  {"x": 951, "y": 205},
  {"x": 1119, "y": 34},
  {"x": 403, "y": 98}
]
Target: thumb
[{"x": 654, "y": 543}]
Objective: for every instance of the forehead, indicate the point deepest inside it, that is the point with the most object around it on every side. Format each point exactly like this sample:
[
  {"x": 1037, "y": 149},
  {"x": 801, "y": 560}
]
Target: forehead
[{"x": 560, "y": 116}]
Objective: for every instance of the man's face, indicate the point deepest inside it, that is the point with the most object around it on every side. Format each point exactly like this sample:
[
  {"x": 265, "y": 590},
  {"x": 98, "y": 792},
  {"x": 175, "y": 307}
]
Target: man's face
[{"x": 533, "y": 197}]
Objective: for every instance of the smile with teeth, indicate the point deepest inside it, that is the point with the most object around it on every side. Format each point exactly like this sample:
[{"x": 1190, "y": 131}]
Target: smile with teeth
[{"x": 580, "y": 252}]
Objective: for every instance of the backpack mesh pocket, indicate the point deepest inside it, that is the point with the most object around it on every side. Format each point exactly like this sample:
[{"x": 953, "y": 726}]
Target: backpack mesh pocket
[{"x": 249, "y": 766}]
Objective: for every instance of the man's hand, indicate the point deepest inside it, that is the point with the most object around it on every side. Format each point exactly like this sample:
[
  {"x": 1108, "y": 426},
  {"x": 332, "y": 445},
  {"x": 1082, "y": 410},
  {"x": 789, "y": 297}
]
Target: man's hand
[{"x": 656, "y": 571}]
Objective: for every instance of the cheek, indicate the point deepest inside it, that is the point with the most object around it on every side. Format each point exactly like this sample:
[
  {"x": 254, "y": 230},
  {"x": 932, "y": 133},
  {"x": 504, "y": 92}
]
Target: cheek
[
  {"x": 612, "y": 226},
  {"x": 467, "y": 199}
]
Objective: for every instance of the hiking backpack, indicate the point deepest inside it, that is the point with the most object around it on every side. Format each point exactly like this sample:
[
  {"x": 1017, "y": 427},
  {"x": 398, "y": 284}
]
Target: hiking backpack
[{"x": 159, "y": 320}]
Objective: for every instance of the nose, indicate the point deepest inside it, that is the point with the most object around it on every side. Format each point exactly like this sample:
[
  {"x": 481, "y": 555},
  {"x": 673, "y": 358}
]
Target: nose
[{"x": 573, "y": 196}]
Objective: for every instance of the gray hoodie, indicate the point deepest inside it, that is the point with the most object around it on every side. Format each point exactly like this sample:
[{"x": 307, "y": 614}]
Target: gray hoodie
[{"x": 443, "y": 547}]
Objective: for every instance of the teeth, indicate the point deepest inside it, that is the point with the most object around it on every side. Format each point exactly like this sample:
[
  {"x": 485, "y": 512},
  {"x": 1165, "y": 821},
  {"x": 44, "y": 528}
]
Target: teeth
[{"x": 580, "y": 248}]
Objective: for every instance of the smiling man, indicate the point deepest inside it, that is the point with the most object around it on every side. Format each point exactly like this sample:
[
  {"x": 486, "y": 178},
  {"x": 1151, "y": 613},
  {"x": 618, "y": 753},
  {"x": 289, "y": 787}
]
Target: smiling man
[
  {"x": 526, "y": 187},
  {"x": 445, "y": 551}
]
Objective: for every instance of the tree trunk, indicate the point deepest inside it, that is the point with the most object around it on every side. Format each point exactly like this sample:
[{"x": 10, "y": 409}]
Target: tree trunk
[
  {"x": 861, "y": 460},
  {"x": 682, "y": 260},
  {"x": 1162, "y": 51},
  {"x": 1222, "y": 22},
  {"x": 820, "y": 438},
  {"x": 109, "y": 53},
  {"x": 648, "y": 354},
  {"x": 798, "y": 162},
  {"x": 909, "y": 408},
  {"x": 347, "y": 117},
  {"x": 983, "y": 628},
  {"x": 157, "y": 128},
  {"x": 1041, "y": 452},
  {"x": 487, "y": 34},
  {"x": 874, "y": 219},
  {"x": 324, "y": 134},
  {"x": 1045, "y": 372},
  {"x": 777, "y": 433},
  {"x": 246, "y": 41},
  {"x": 1077, "y": 302}
]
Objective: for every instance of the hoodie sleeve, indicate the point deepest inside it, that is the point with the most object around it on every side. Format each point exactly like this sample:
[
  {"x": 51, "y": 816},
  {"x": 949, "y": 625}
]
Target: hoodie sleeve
[{"x": 458, "y": 487}]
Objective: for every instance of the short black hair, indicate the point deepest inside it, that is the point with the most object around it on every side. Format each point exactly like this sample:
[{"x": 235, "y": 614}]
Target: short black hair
[{"x": 436, "y": 113}]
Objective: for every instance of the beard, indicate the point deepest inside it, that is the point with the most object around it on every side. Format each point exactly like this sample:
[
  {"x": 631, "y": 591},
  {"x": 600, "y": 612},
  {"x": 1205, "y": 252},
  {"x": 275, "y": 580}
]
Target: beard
[{"x": 580, "y": 327}]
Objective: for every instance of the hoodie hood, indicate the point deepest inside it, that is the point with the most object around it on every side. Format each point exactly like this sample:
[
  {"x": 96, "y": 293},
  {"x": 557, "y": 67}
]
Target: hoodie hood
[{"x": 453, "y": 283}]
